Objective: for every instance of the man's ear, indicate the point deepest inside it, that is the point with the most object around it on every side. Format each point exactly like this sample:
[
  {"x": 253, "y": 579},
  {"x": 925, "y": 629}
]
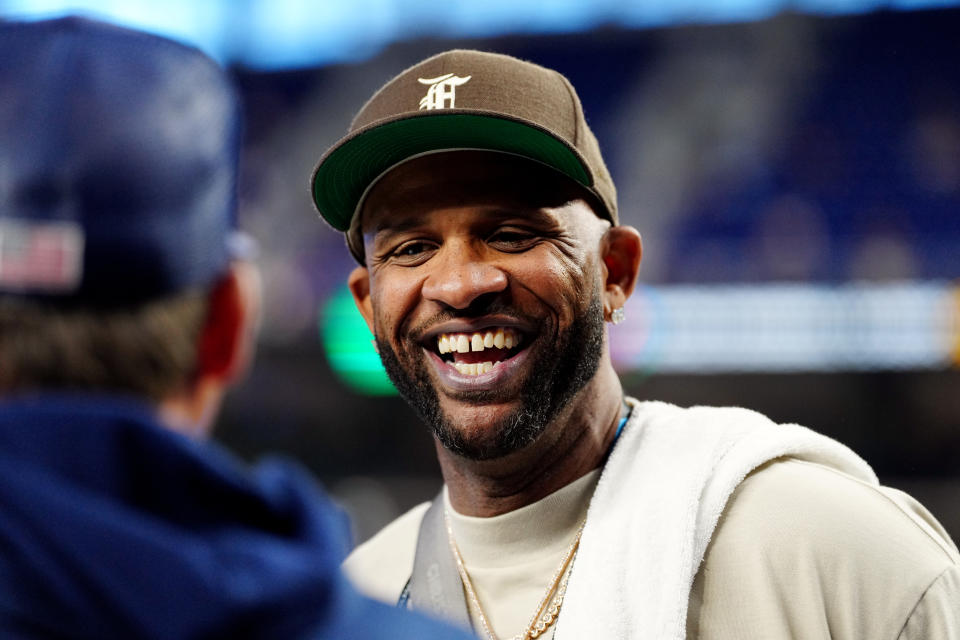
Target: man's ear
[
  {"x": 359, "y": 283},
  {"x": 226, "y": 345},
  {"x": 622, "y": 250}
]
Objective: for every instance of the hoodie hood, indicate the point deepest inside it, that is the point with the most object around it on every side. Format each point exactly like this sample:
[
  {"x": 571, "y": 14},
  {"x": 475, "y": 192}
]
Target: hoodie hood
[{"x": 113, "y": 527}]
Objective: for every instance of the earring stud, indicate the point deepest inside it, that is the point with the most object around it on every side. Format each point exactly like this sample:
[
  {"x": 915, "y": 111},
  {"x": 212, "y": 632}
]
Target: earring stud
[{"x": 617, "y": 315}]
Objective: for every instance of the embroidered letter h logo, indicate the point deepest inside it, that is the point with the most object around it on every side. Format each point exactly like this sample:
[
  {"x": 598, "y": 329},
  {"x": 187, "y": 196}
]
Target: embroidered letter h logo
[{"x": 442, "y": 91}]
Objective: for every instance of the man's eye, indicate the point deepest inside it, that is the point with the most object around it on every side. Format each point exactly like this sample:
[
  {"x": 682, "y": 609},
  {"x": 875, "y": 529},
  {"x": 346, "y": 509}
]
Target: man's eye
[
  {"x": 513, "y": 240},
  {"x": 411, "y": 252}
]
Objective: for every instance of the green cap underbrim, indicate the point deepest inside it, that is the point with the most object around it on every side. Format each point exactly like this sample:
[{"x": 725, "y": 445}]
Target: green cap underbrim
[{"x": 348, "y": 169}]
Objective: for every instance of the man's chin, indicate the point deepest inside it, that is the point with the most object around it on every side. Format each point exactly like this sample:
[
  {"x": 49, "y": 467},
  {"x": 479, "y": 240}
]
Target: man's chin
[{"x": 486, "y": 431}]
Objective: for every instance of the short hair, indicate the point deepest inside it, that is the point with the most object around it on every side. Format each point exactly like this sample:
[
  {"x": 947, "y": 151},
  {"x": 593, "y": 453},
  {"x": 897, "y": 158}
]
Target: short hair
[{"x": 147, "y": 350}]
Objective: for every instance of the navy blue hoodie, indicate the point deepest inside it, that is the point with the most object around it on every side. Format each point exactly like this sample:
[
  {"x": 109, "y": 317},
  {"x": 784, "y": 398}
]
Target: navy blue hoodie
[{"x": 114, "y": 527}]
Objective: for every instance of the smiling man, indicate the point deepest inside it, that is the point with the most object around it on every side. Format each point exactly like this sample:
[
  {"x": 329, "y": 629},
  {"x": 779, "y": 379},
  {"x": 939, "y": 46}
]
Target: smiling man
[
  {"x": 475, "y": 198},
  {"x": 488, "y": 364}
]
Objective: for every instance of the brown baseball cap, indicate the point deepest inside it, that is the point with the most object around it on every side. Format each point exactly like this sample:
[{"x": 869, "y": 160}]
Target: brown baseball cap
[{"x": 462, "y": 99}]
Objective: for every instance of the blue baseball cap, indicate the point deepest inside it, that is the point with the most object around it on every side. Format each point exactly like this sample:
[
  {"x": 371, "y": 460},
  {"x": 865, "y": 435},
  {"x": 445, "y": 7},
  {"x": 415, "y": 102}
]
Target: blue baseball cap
[{"x": 118, "y": 164}]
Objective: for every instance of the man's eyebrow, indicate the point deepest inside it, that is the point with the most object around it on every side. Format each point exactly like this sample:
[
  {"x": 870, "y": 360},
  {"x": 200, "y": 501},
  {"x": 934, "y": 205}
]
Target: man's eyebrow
[
  {"x": 533, "y": 215},
  {"x": 396, "y": 225},
  {"x": 400, "y": 224}
]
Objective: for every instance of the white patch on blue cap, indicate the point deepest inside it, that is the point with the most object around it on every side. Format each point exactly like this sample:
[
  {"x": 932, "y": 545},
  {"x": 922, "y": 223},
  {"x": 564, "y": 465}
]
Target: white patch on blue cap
[{"x": 40, "y": 257}]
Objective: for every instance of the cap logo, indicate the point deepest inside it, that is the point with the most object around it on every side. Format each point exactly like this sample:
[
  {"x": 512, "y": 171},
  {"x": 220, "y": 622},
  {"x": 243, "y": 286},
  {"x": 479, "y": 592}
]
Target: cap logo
[
  {"x": 442, "y": 91},
  {"x": 40, "y": 256}
]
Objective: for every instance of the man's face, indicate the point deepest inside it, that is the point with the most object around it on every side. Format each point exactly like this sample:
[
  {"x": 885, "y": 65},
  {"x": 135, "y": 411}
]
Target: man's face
[{"x": 483, "y": 288}]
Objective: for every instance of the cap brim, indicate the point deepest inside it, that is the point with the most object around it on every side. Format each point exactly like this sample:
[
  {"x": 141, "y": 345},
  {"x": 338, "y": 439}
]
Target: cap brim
[{"x": 345, "y": 172}]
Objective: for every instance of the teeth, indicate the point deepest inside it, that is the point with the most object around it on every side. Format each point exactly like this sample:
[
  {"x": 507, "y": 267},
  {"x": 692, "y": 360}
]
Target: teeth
[
  {"x": 464, "y": 343},
  {"x": 474, "y": 369}
]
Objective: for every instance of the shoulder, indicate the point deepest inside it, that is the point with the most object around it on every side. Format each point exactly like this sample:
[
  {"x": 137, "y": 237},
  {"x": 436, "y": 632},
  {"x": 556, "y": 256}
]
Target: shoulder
[
  {"x": 808, "y": 545},
  {"x": 832, "y": 511},
  {"x": 938, "y": 613},
  {"x": 381, "y": 566}
]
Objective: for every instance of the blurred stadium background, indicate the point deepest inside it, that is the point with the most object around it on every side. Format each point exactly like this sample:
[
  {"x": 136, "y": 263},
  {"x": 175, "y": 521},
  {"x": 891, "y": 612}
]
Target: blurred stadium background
[{"x": 794, "y": 168}]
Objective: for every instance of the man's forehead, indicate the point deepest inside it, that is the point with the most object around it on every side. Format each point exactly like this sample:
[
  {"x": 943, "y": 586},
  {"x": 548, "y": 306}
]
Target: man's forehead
[
  {"x": 388, "y": 221},
  {"x": 497, "y": 182}
]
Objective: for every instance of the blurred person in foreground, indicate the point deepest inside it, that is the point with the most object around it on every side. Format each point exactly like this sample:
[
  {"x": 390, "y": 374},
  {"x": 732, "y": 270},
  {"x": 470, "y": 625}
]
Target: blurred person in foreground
[
  {"x": 477, "y": 203},
  {"x": 126, "y": 309}
]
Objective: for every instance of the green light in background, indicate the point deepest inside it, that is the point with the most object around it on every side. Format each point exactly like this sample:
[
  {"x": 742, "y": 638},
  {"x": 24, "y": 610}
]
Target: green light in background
[{"x": 347, "y": 341}]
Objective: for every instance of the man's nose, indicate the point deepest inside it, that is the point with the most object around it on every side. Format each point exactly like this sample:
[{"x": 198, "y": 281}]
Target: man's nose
[{"x": 461, "y": 276}]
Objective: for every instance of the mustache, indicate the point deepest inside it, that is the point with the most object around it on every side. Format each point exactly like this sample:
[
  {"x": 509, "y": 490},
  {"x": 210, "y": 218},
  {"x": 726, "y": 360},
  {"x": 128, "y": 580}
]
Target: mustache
[{"x": 494, "y": 307}]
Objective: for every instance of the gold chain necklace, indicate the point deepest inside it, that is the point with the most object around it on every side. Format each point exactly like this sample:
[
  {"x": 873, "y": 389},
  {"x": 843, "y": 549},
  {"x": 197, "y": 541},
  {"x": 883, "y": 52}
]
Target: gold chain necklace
[{"x": 548, "y": 609}]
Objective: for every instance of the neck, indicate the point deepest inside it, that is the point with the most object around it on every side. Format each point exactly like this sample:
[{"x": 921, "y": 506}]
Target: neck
[
  {"x": 573, "y": 444},
  {"x": 191, "y": 410}
]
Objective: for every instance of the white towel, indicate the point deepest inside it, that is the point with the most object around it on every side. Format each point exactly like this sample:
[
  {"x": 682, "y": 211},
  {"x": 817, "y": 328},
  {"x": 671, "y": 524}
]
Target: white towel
[{"x": 655, "y": 508}]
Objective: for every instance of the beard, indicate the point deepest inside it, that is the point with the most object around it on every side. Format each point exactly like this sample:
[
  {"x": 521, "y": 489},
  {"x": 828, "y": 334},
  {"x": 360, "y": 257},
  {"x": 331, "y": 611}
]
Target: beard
[{"x": 558, "y": 374}]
